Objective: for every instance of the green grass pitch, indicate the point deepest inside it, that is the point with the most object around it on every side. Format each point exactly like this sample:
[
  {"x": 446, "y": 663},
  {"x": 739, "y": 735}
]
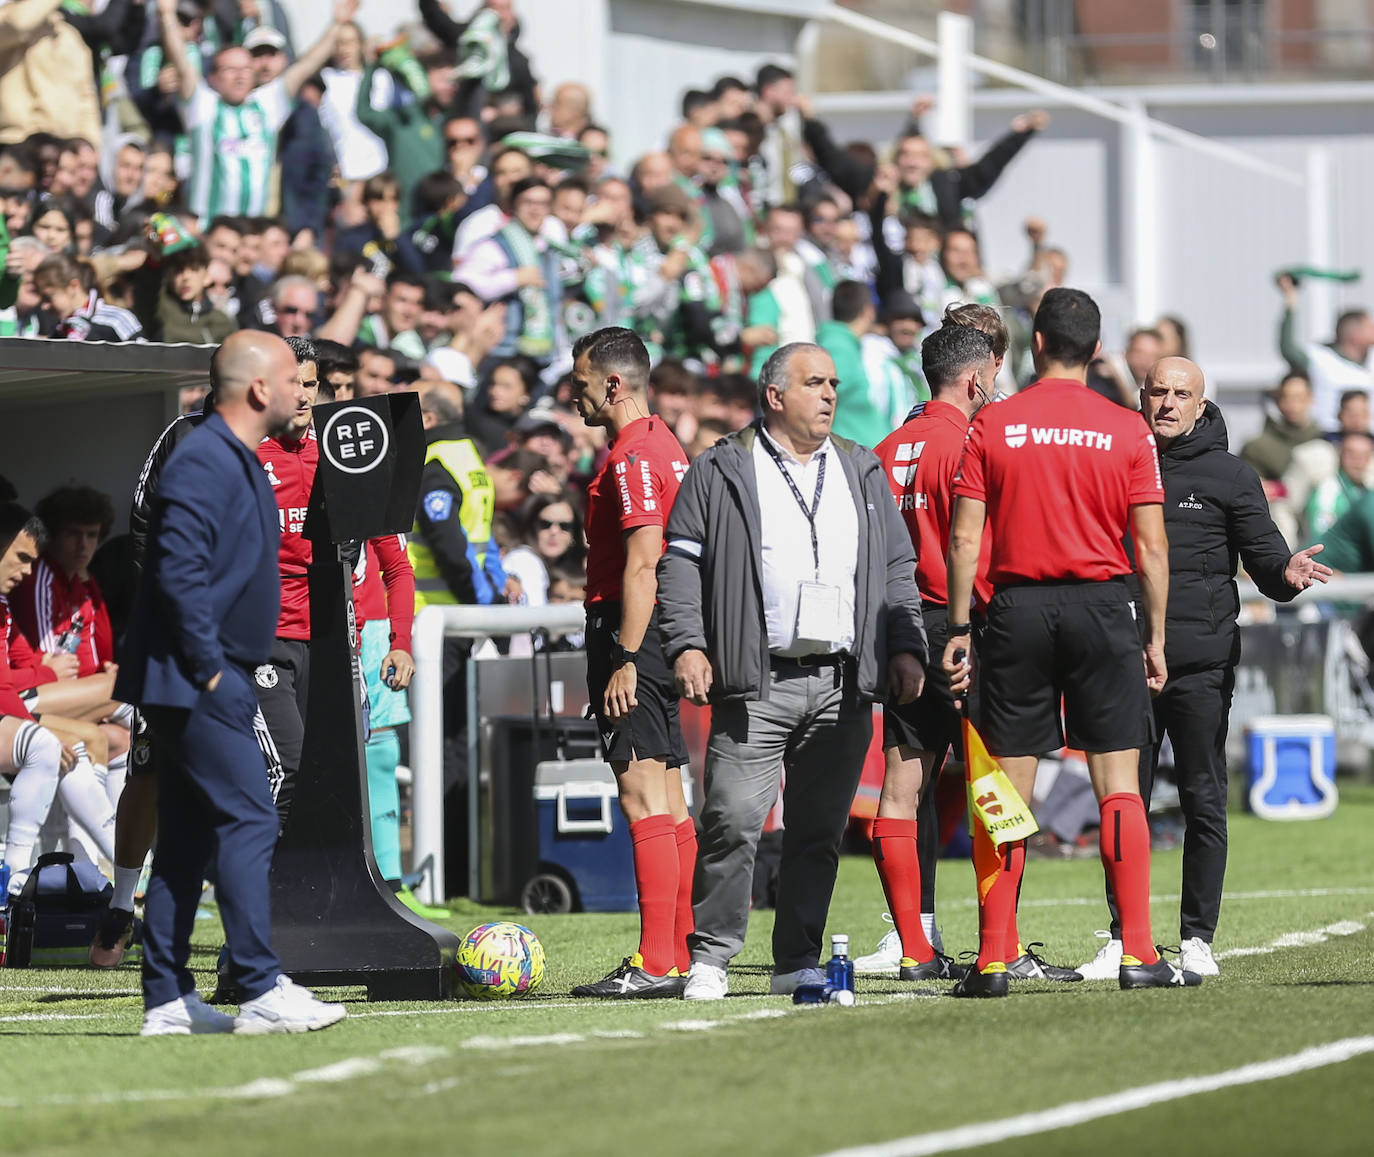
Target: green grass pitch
[{"x": 753, "y": 1074}]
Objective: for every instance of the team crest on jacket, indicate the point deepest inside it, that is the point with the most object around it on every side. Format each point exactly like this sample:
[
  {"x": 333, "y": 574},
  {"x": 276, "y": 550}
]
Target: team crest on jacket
[
  {"x": 1015, "y": 435},
  {"x": 1190, "y": 503},
  {"x": 265, "y": 676}
]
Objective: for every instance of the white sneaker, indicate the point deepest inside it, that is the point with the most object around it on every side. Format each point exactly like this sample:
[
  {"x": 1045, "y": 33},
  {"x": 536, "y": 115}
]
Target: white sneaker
[
  {"x": 1195, "y": 955},
  {"x": 706, "y": 982},
  {"x": 786, "y": 983},
  {"x": 887, "y": 957},
  {"x": 186, "y": 1015},
  {"x": 1106, "y": 965},
  {"x": 286, "y": 1007}
]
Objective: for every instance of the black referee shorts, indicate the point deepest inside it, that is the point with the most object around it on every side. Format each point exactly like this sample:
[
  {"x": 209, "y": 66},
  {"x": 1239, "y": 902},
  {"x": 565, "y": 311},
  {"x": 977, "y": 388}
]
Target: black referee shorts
[
  {"x": 1075, "y": 642},
  {"x": 930, "y": 722},
  {"x": 653, "y": 729}
]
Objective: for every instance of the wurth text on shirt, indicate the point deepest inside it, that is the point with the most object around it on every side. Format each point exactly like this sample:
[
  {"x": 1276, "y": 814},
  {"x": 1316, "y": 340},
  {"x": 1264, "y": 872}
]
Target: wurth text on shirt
[{"x": 1057, "y": 436}]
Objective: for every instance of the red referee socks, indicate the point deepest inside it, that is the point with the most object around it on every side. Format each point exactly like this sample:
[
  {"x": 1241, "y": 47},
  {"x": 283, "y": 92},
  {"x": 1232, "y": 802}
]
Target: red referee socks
[
  {"x": 1125, "y": 844},
  {"x": 997, "y": 913},
  {"x": 683, "y": 923},
  {"x": 894, "y": 853},
  {"x": 656, "y": 878}
]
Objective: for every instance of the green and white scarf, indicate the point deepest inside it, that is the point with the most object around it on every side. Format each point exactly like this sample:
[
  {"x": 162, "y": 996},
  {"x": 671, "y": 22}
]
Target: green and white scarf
[
  {"x": 482, "y": 52},
  {"x": 536, "y": 333}
]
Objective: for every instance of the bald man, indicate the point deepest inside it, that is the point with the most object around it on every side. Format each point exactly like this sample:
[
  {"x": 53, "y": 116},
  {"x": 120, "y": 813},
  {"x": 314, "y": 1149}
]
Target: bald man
[
  {"x": 1214, "y": 513},
  {"x": 204, "y": 618}
]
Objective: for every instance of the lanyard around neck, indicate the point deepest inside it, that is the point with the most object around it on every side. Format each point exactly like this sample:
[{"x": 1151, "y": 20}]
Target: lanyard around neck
[{"x": 796, "y": 493}]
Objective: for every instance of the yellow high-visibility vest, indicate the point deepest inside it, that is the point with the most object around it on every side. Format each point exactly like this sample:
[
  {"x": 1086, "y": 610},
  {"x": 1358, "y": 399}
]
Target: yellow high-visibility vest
[{"x": 461, "y": 459}]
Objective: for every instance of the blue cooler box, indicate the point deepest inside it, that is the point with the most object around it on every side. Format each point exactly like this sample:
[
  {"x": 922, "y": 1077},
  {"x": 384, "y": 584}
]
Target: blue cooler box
[
  {"x": 1290, "y": 766},
  {"x": 586, "y": 858}
]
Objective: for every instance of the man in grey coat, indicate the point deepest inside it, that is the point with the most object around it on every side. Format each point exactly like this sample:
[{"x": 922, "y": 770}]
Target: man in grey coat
[{"x": 788, "y": 601}]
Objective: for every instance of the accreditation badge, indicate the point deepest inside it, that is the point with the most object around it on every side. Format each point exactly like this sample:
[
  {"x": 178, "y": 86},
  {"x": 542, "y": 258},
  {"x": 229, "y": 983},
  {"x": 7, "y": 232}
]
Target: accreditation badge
[{"x": 818, "y": 613}]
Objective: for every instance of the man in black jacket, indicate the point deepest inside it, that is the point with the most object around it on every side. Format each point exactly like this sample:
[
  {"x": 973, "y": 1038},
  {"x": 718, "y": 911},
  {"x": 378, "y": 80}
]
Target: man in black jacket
[{"x": 1215, "y": 513}]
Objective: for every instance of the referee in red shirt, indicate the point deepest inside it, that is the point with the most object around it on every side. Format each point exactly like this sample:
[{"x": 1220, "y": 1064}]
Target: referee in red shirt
[
  {"x": 629, "y": 681},
  {"x": 919, "y": 460},
  {"x": 1061, "y": 475}
]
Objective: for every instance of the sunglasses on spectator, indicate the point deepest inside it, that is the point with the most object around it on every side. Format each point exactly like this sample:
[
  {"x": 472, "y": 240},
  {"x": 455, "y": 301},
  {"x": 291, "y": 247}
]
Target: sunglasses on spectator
[
  {"x": 292, "y": 310},
  {"x": 454, "y": 142},
  {"x": 547, "y": 524}
]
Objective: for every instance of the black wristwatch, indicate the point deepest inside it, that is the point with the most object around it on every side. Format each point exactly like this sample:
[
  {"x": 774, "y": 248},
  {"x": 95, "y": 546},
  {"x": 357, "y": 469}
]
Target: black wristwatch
[
  {"x": 620, "y": 656},
  {"x": 962, "y": 629}
]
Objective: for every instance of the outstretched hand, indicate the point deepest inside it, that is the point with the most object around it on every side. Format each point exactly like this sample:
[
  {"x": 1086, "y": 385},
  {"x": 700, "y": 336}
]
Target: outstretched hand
[{"x": 1301, "y": 571}]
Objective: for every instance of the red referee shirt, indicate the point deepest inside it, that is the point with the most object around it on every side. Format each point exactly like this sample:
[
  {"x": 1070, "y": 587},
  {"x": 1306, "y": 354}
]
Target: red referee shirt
[
  {"x": 290, "y": 468},
  {"x": 1059, "y": 468},
  {"x": 919, "y": 459},
  {"x": 636, "y": 487}
]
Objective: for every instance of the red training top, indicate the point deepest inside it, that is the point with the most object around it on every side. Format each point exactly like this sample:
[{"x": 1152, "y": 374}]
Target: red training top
[
  {"x": 290, "y": 468},
  {"x": 636, "y": 487},
  {"x": 10, "y": 703},
  {"x": 1059, "y": 468},
  {"x": 386, "y": 588},
  {"x": 919, "y": 459},
  {"x": 44, "y": 606}
]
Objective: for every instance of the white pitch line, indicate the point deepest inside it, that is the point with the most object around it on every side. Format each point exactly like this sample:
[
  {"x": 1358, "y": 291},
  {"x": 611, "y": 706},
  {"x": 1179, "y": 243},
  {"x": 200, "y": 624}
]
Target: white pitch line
[
  {"x": 70, "y": 991},
  {"x": 1080, "y": 1112},
  {"x": 1297, "y": 939},
  {"x": 30, "y": 1016},
  {"x": 348, "y": 1069}
]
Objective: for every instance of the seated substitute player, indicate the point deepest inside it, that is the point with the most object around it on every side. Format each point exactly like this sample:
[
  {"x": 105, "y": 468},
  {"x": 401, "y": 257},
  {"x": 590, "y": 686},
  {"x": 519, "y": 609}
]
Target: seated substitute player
[
  {"x": 629, "y": 681},
  {"x": 31, "y": 757},
  {"x": 1061, "y": 475}
]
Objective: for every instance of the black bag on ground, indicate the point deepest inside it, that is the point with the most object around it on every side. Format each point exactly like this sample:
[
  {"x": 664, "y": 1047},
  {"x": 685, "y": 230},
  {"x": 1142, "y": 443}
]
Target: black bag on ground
[{"x": 54, "y": 919}]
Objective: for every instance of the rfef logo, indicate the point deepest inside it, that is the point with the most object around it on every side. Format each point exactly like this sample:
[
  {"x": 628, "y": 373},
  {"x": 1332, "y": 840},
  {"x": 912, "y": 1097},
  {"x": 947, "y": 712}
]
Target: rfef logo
[{"x": 355, "y": 440}]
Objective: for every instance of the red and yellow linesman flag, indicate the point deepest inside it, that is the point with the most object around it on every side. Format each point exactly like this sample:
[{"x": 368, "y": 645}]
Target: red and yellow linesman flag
[{"x": 997, "y": 813}]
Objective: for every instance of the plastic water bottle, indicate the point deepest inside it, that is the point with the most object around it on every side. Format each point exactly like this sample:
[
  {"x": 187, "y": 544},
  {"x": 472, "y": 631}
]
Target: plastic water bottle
[
  {"x": 839, "y": 969},
  {"x": 822, "y": 994},
  {"x": 70, "y": 639}
]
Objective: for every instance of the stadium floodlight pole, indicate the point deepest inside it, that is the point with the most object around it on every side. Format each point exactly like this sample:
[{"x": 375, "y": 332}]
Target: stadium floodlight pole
[
  {"x": 1063, "y": 94},
  {"x": 432, "y": 625}
]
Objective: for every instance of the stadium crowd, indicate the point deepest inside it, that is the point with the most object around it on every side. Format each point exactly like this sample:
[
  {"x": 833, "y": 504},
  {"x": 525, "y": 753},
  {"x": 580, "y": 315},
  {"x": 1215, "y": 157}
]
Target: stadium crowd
[{"x": 419, "y": 212}]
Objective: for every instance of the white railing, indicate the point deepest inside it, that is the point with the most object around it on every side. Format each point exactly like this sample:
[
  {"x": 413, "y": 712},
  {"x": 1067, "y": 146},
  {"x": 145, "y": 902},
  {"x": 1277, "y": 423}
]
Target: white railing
[{"x": 432, "y": 626}]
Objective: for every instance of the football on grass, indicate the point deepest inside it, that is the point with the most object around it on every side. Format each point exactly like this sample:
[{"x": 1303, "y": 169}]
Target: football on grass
[{"x": 499, "y": 961}]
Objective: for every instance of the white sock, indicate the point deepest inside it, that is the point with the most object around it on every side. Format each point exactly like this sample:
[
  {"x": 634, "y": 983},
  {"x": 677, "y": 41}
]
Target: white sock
[
  {"x": 38, "y": 755},
  {"x": 125, "y": 885},
  {"x": 123, "y": 715},
  {"x": 113, "y": 777},
  {"x": 932, "y": 931},
  {"x": 86, "y": 802}
]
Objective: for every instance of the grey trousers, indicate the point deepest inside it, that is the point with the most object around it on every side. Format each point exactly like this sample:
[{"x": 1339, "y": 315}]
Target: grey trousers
[{"x": 803, "y": 729}]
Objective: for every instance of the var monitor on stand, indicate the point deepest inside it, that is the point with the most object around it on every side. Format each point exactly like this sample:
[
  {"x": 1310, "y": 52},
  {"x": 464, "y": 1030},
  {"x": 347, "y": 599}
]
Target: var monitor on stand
[{"x": 334, "y": 920}]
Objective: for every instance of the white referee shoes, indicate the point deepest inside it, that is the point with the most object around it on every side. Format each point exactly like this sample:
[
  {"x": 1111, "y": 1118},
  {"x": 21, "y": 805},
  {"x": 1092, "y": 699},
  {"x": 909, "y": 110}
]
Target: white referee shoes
[{"x": 285, "y": 1007}]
